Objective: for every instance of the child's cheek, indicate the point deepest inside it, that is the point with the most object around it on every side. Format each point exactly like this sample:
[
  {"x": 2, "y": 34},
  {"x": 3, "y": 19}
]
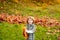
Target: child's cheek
[{"x": 30, "y": 22}]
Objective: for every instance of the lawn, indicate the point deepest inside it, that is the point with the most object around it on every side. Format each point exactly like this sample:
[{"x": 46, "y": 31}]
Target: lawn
[{"x": 14, "y": 32}]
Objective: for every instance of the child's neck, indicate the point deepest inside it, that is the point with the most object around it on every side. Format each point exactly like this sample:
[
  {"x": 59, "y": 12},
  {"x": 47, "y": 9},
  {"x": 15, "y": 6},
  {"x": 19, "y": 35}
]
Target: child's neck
[{"x": 30, "y": 24}]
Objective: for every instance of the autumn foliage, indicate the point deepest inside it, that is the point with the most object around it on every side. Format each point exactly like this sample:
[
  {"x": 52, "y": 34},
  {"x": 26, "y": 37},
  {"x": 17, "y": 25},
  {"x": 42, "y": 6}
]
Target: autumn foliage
[{"x": 44, "y": 21}]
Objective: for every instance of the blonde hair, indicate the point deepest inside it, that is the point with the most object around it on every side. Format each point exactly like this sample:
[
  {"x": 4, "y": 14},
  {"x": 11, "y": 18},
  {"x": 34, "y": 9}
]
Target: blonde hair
[{"x": 30, "y": 17}]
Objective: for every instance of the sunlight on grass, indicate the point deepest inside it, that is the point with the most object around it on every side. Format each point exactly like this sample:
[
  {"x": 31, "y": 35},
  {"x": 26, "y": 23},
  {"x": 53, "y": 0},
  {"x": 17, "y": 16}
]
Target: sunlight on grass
[{"x": 14, "y": 32}]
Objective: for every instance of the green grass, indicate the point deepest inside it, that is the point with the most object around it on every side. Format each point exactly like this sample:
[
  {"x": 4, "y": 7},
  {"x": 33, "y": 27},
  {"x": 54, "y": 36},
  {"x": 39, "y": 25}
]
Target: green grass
[
  {"x": 11, "y": 31},
  {"x": 15, "y": 8},
  {"x": 14, "y": 32}
]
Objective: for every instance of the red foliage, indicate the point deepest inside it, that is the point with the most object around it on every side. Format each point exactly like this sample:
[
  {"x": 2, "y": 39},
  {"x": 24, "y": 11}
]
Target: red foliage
[
  {"x": 44, "y": 21},
  {"x": 58, "y": 37}
]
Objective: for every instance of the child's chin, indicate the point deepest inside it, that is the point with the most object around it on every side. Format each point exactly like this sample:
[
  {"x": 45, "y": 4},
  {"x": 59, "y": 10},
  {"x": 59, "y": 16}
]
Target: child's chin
[{"x": 30, "y": 23}]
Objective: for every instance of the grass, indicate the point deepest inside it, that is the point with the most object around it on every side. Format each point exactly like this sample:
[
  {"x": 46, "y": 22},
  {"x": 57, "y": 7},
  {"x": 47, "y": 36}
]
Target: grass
[
  {"x": 11, "y": 31},
  {"x": 16, "y": 8},
  {"x": 14, "y": 32}
]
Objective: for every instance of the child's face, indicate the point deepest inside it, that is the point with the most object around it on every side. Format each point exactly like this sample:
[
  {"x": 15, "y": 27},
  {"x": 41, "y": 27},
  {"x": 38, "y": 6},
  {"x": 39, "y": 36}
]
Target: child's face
[{"x": 30, "y": 21}]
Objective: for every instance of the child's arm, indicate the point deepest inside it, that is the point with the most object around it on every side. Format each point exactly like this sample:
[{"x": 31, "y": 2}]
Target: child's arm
[
  {"x": 34, "y": 28},
  {"x": 28, "y": 31}
]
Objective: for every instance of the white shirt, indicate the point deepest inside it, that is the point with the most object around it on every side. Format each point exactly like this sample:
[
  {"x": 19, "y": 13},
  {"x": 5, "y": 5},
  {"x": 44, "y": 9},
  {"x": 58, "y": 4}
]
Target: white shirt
[{"x": 29, "y": 31}]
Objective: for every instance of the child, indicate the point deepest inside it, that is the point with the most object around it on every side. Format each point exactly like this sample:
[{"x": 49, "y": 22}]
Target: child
[{"x": 30, "y": 29}]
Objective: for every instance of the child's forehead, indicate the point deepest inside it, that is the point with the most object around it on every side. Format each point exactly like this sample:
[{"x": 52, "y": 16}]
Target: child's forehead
[{"x": 30, "y": 19}]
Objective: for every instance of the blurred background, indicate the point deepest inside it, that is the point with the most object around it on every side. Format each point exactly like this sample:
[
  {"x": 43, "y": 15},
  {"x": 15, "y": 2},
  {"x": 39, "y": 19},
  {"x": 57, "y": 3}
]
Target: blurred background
[{"x": 39, "y": 8}]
